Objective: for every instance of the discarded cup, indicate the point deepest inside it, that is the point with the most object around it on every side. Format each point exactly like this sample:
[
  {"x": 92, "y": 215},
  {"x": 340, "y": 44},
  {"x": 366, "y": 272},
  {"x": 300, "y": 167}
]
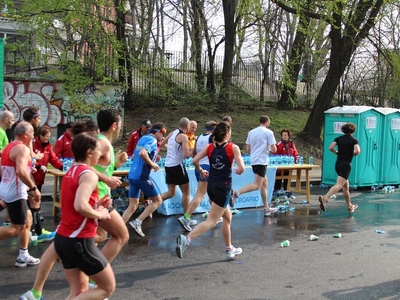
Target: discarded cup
[
  {"x": 380, "y": 231},
  {"x": 285, "y": 244},
  {"x": 304, "y": 202},
  {"x": 337, "y": 235},
  {"x": 313, "y": 238},
  {"x": 34, "y": 240}
]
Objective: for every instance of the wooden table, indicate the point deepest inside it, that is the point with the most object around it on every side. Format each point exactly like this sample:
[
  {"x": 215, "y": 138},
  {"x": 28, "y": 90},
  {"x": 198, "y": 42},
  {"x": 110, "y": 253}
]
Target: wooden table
[
  {"x": 297, "y": 176},
  {"x": 58, "y": 176}
]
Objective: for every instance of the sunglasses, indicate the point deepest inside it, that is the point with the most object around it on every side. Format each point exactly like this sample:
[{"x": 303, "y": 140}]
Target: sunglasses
[{"x": 163, "y": 131}]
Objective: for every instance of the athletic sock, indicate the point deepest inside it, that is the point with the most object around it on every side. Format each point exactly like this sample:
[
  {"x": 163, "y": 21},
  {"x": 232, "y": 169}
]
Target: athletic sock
[
  {"x": 187, "y": 240},
  {"x": 186, "y": 216},
  {"x": 229, "y": 248},
  {"x": 23, "y": 252},
  {"x": 138, "y": 221},
  {"x": 36, "y": 294}
]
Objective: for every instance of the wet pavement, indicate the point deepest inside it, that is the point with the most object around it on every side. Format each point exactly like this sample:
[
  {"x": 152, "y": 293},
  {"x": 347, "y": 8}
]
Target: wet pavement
[{"x": 360, "y": 265}]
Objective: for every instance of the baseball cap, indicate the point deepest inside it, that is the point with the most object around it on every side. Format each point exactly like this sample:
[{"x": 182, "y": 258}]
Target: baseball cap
[{"x": 146, "y": 122}]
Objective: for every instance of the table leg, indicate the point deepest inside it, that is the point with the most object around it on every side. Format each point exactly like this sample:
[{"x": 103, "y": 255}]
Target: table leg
[
  {"x": 308, "y": 185},
  {"x": 55, "y": 196}
]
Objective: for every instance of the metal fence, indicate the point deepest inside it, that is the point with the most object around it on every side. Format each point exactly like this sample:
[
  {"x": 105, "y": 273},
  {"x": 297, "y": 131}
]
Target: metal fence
[{"x": 157, "y": 77}]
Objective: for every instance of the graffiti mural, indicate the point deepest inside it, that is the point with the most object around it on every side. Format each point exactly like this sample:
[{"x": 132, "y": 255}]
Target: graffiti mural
[{"x": 55, "y": 107}]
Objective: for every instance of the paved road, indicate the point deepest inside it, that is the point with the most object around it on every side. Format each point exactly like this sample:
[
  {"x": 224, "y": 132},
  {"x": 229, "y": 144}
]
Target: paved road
[{"x": 361, "y": 265}]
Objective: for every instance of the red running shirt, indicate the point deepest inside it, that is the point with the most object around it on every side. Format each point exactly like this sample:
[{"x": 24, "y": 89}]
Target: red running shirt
[{"x": 73, "y": 224}]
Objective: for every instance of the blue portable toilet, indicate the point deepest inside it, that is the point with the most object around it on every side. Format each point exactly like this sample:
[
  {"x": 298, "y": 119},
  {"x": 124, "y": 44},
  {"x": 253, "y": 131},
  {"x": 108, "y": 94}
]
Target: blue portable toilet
[
  {"x": 365, "y": 166},
  {"x": 390, "y": 159}
]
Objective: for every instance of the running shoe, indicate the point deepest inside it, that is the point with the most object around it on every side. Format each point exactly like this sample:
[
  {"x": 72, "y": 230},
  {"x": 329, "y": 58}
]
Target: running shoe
[
  {"x": 233, "y": 198},
  {"x": 181, "y": 245},
  {"x": 230, "y": 254},
  {"x": 138, "y": 227},
  {"x": 26, "y": 261},
  {"x": 192, "y": 222},
  {"x": 46, "y": 236},
  {"x": 29, "y": 296},
  {"x": 6, "y": 224},
  {"x": 185, "y": 223},
  {"x": 269, "y": 211}
]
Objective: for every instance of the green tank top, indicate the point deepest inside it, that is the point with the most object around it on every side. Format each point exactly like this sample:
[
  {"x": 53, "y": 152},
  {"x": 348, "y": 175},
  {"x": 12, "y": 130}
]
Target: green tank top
[{"x": 106, "y": 170}]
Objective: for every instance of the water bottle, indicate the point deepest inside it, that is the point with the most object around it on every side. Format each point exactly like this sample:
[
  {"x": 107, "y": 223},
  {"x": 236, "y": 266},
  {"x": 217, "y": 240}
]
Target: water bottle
[
  {"x": 300, "y": 160},
  {"x": 337, "y": 235},
  {"x": 311, "y": 160},
  {"x": 285, "y": 243},
  {"x": 380, "y": 231},
  {"x": 33, "y": 163},
  {"x": 34, "y": 239}
]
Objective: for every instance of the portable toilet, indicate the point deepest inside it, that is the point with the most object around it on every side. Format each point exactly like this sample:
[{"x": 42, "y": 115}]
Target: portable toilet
[
  {"x": 365, "y": 167},
  {"x": 390, "y": 159}
]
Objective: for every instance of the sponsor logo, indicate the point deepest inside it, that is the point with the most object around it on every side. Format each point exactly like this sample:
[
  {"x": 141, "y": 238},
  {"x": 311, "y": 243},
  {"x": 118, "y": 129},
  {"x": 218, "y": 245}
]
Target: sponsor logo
[{"x": 248, "y": 199}]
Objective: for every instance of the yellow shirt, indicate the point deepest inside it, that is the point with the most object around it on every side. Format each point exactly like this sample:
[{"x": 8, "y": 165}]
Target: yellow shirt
[{"x": 192, "y": 140}]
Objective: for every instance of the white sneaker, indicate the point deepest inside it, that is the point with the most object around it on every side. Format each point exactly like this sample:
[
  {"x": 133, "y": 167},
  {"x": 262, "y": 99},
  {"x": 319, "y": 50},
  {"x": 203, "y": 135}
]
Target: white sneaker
[
  {"x": 138, "y": 227},
  {"x": 230, "y": 254},
  {"x": 269, "y": 211},
  {"x": 26, "y": 261},
  {"x": 220, "y": 220},
  {"x": 29, "y": 296},
  {"x": 192, "y": 222}
]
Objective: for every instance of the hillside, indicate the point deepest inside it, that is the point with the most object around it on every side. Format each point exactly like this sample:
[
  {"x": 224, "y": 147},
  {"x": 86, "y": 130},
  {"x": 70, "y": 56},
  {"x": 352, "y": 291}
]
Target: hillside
[{"x": 244, "y": 119}]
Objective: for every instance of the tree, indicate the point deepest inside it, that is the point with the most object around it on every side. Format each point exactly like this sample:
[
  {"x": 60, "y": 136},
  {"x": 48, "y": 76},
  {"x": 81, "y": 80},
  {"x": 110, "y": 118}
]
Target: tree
[{"x": 350, "y": 23}]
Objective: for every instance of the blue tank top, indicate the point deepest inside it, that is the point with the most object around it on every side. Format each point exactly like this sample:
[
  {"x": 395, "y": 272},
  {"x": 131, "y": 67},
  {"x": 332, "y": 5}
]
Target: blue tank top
[{"x": 221, "y": 160}]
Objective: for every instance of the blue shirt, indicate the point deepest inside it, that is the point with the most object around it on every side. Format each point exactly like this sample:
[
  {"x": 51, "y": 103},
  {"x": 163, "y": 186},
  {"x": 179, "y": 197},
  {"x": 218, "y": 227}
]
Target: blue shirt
[{"x": 139, "y": 169}]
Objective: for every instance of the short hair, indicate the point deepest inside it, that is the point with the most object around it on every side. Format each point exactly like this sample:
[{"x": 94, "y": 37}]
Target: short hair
[
  {"x": 157, "y": 127},
  {"x": 106, "y": 117},
  {"x": 82, "y": 143},
  {"x": 349, "y": 128},
  {"x": 43, "y": 130},
  {"x": 184, "y": 122},
  {"x": 210, "y": 125},
  {"x": 227, "y": 119},
  {"x": 6, "y": 114},
  {"x": 68, "y": 125},
  {"x": 22, "y": 128},
  {"x": 221, "y": 130},
  {"x": 287, "y": 131},
  {"x": 264, "y": 119},
  {"x": 80, "y": 127},
  {"x": 92, "y": 125},
  {"x": 30, "y": 113}
]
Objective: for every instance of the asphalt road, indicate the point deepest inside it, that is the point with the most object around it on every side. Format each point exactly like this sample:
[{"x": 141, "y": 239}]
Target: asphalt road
[{"x": 360, "y": 265}]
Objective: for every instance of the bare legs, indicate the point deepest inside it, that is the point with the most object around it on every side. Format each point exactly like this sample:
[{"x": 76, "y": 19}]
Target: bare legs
[
  {"x": 343, "y": 184},
  {"x": 260, "y": 183}
]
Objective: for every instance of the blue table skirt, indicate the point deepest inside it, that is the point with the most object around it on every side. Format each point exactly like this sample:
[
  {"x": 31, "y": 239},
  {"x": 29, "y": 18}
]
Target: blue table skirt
[{"x": 173, "y": 205}]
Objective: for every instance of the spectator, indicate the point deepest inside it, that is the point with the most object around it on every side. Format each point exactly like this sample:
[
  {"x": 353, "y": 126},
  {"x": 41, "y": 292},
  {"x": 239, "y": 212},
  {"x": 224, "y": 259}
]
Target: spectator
[
  {"x": 136, "y": 135},
  {"x": 42, "y": 144},
  {"x": 62, "y": 147},
  {"x": 191, "y": 136},
  {"x": 285, "y": 147},
  {"x": 6, "y": 122}
]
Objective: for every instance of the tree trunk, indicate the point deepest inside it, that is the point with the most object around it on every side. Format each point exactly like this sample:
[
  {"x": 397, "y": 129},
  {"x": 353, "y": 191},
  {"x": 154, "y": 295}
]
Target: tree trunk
[
  {"x": 230, "y": 33},
  {"x": 287, "y": 101},
  {"x": 345, "y": 41}
]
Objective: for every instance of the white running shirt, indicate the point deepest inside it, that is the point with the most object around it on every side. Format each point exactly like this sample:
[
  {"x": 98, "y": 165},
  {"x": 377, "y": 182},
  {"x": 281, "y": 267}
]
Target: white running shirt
[{"x": 260, "y": 139}]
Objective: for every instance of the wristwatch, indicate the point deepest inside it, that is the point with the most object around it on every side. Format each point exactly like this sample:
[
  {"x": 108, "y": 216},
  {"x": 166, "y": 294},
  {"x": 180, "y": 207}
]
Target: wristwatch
[{"x": 32, "y": 189}]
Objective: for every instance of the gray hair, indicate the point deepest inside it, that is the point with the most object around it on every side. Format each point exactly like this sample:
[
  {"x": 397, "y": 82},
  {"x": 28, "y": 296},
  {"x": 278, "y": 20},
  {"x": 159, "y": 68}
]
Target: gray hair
[
  {"x": 183, "y": 123},
  {"x": 6, "y": 114},
  {"x": 22, "y": 128}
]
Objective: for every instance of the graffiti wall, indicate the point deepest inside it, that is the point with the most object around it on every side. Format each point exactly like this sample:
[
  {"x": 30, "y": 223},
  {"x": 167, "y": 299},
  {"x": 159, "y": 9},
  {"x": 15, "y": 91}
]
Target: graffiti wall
[{"x": 56, "y": 107}]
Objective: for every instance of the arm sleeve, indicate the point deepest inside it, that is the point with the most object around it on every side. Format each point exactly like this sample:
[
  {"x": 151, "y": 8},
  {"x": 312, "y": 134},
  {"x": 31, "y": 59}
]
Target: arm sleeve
[
  {"x": 58, "y": 148},
  {"x": 54, "y": 160},
  {"x": 129, "y": 147}
]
